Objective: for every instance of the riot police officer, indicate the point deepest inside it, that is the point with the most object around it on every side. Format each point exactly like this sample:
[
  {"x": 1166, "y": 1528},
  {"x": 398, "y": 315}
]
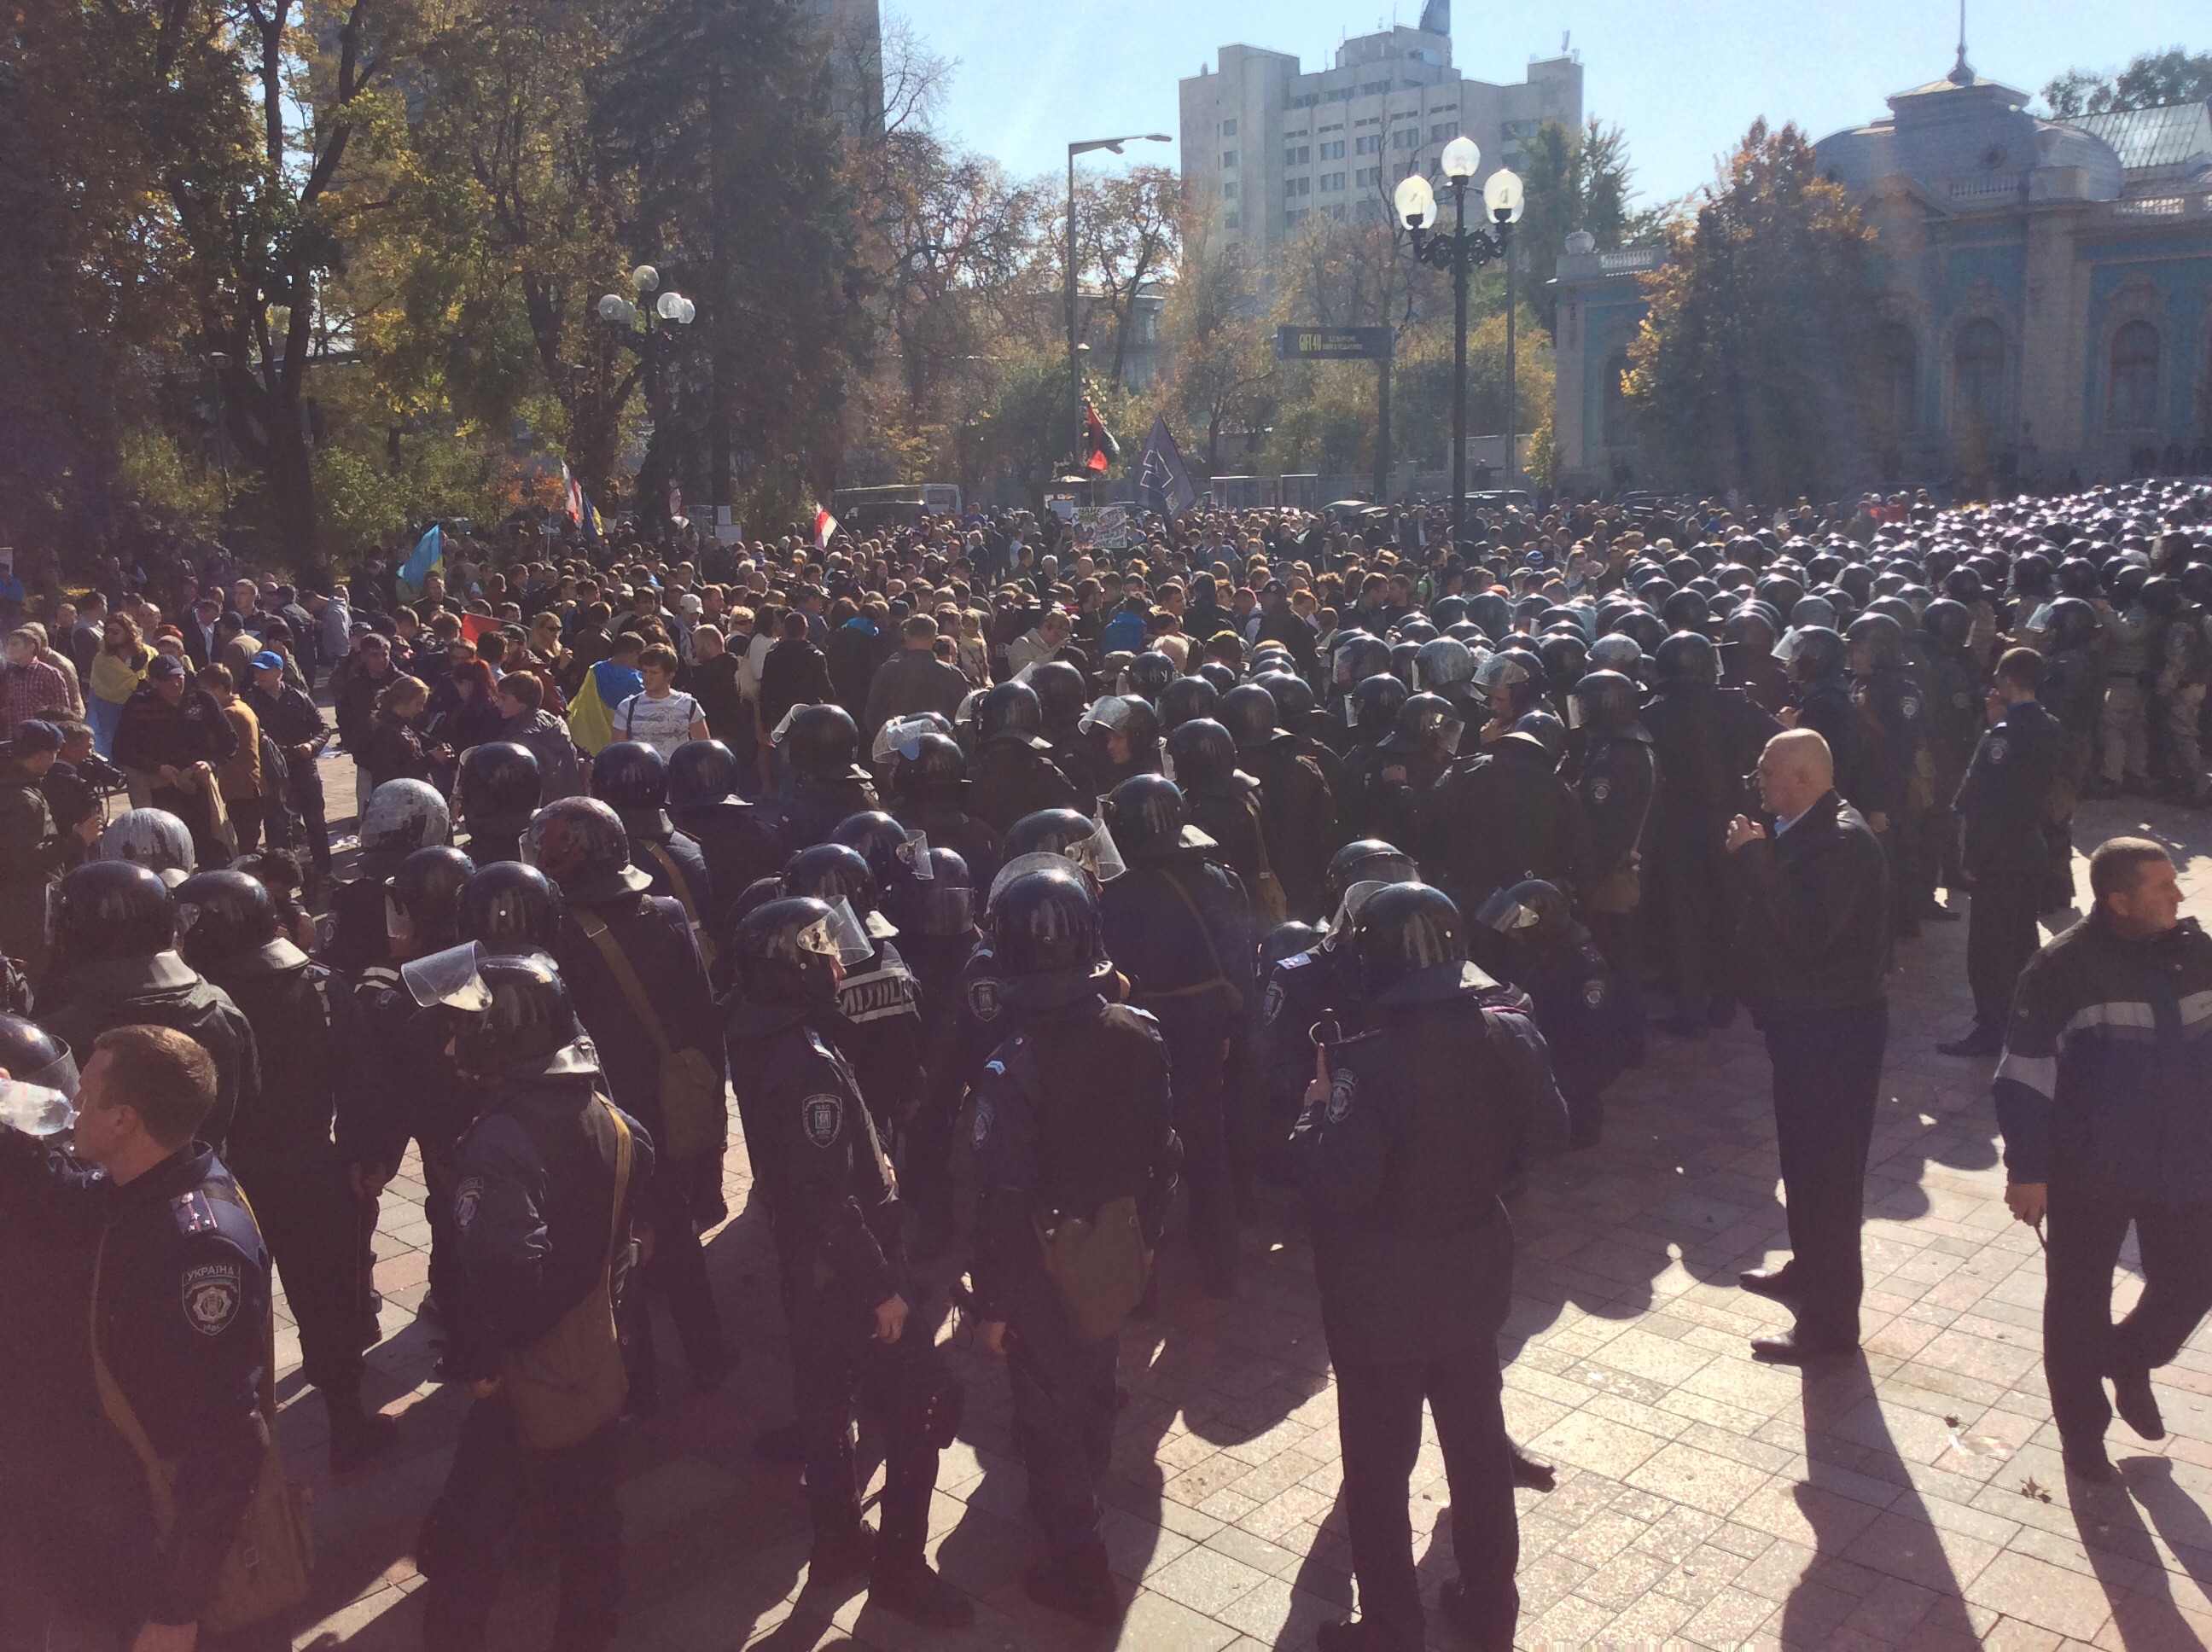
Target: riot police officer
[
  {"x": 629, "y": 961},
  {"x": 1222, "y": 802},
  {"x": 1952, "y": 679},
  {"x": 511, "y": 909},
  {"x": 2073, "y": 692},
  {"x": 1588, "y": 1023},
  {"x": 403, "y": 816},
  {"x": 827, "y": 781},
  {"x": 1408, "y": 1134},
  {"x": 1016, "y": 774},
  {"x": 1297, "y": 815},
  {"x": 1618, "y": 782},
  {"x": 855, "y": 1340},
  {"x": 116, "y": 965},
  {"x": 878, "y": 995},
  {"x": 1820, "y": 679},
  {"x": 422, "y": 901},
  {"x": 1128, "y": 730},
  {"x": 1897, "y": 776},
  {"x": 319, "y": 1067},
  {"x": 1501, "y": 815},
  {"x": 738, "y": 839},
  {"x": 494, "y": 795},
  {"x": 930, "y": 792},
  {"x": 1179, "y": 926},
  {"x": 549, "y": 1180},
  {"x": 1073, "y": 1139},
  {"x": 631, "y": 778}
]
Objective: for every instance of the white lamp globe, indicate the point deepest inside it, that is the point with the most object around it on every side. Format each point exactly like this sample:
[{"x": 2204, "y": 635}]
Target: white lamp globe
[
  {"x": 1415, "y": 201},
  {"x": 645, "y": 278},
  {"x": 1460, "y": 157},
  {"x": 1503, "y": 196}
]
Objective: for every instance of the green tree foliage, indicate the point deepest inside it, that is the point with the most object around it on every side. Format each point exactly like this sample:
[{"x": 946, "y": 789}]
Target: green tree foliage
[
  {"x": 1574, "y": 180},
  {"x": 1750, "y": 369},
  {"x": 2173, "y": 76}
]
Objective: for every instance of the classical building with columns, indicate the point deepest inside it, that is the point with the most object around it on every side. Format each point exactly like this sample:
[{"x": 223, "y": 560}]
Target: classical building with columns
[{"x": 2046, "y": 292}]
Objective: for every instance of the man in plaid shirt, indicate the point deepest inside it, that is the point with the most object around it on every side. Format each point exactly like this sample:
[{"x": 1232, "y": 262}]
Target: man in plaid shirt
[{"x": 34, "y": 689}]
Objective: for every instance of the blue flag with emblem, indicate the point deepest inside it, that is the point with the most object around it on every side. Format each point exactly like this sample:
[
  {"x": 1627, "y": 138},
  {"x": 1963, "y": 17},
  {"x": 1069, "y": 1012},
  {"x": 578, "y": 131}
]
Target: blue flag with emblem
[
  {"x": 429, "y": 558},
  {"x": 1163, "y": 484}
]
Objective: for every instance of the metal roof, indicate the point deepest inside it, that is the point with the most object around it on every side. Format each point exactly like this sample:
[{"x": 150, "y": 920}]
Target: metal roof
[{"x": 2171, "y": 135}]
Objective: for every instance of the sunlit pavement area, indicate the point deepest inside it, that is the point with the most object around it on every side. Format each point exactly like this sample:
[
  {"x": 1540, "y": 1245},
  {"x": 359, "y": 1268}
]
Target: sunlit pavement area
[{"x": 1911, "y": 1498}]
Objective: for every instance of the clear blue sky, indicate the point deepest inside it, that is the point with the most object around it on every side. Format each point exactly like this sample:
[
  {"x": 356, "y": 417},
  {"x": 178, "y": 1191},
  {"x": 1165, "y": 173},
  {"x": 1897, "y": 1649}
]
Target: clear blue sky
[{"x": 1683, "y": 77}]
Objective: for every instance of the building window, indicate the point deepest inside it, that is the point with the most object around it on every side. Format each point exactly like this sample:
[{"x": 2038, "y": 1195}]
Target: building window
[
  {"x": 1229, "y": 129},
  {"x": 1443, "y": 129},
  {"x": 1292, "y": 219},
  {"x": 1406, "y": 137},
  {"x": 1367, "y": 175},
  {"x": 1229, "y": 190},
  {"x": 1370, "y": 144},
  {"x": 1229, "y": 222},
  {"x": 2133, "y": 398},
  {"x": 1302, "y": 101},
  {"x": 1618, "y": 423},
  {"x": 1979, "y": 366},
  {"x": 1299, "y": 157},
  {"x": 1897, "y": 366},
  {"x": 1294, "y": 187},
  {"x": 1373, "y": 88},
  {"x": 1332, "y": 183},
  {"x": 1229, "y": 157},
  {"x": 1333, "y": 151}
]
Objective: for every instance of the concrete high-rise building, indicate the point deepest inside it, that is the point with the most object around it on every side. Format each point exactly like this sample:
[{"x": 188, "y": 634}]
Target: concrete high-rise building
[{"x": 1265, "y": 143}]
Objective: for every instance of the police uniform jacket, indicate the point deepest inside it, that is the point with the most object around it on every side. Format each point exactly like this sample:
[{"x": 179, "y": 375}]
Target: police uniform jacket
[
  {"x": 739, "y": 842},
  {"x": 1895, "y": 711},
  {"x": 1012, "y": 779},
  {"x": 182, "y": 1320},
  {"x": 358, "y": 938},
  {"x": 417, "y": 1093},
  {"x": 1706, "y": 741},
  {"x": 2106, "y": 1085},
  {"x": 1300, "y": 814},
  {"x": 831, "y": 1190},
  {"x": 1618, "y": 786},
  {"x": 1500, "y": 817},
  {"x": 1402, "y": 1159},
  {"x": 166, "y": 991},
  {"x": 1582, "y": 1014},
  {"x": 881, "y": 1003},
  {"x": 813, "y": 808},
  {"x": 1181, "y": 966},
  {"x": 1827, "y": 707},
  {"x": 655, "y": 936},
  {"x": 1301, "y": 992},
  {"x": 1954, "y": 715},
  {"x": 1072, "y": 1113},
  {"x": 1814, "y": 927},
  {"x": 2074, "y": 691},
  {"x": 689, "y": 860},
  {"x": 956, "y": 1043},
  {"x": 2002, "y": 799},
  {"x": 320, "y": 1065},
  {"x": 533, "y": 1207}
]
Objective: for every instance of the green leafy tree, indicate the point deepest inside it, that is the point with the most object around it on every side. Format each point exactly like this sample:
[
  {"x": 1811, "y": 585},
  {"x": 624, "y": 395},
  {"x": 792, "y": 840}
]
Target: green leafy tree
[
  {"x": 2173, "y": 76},
  {"x": 1574, "y": 180},
  {"x": 1751, "y": 368}
]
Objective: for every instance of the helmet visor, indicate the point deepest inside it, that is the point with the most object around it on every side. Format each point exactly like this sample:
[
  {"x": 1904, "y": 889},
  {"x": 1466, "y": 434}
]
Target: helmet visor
[
  {"x": 1097, "y": 855},
  {"x": 1110, "y": 713},
  {"x": 1786, "y": 649},
  {"x": 914, "y": 851},
  {"x": 1501, "y": 913},
  {"x": 944, "y": 908},
  {"x": 846, "y": 935},
  {"x": 1448, "y": 729},
  {"x": 902, "y": 737},
  {"x": 1357, "y": 895},
  {"x": 36, "y": 1109},
  {"x": 453, "y": 978},
  {"x": 1020, "y": 867}
]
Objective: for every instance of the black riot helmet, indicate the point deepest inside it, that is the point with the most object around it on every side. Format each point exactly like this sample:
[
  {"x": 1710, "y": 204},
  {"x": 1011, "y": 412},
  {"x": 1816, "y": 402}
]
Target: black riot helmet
[
  {"x": 1357, "y": 656},
  {"x": 1687, "y": 611},
  {"x": 579, "y": 843},
  {"x": 1948, "y": 623},
  {"x": 1879, "y": 640},
  {"x": 1375, "y": 702},
  {"x": 1366, "y": 860},
  {"x": 942, "y": 903},
  {"x": 1427, "y": 724},
  {"x": 1047, "y": 940},
  {"x": 426, "y": 887},
  {"x": 1545, "y": 730},
  {"x": 33, "y": 1055},
  {"x": 1566, "y": 657},
  {"x": 1201, "y": 757},
  {"x": 2162, "y": 595},
  {"x": 631, "y": 778},
  {"x": 1149, "y": 820},
  {"x": 113, "y": 909},
  {"x": 1224, "y": 677},
  {"x": 510, "y": 909},
  {"x": 1534, "y": 912},
  {"x": 1441, "y": 662},
  {"x": 822, "y": 743},
  {"x": 1963, "y": 585},
  {"x": 700, "y": 772},
  {"x": 1050, "y": 831},
  {"x": 515, "y": 1019},
  {"x": 1818, "y": 655},
  {"x": 1408, "y": 944},
  {"x": 495, "y": 789},
  {"x": 931, "y": 768},
  {"x": 1687, "y": 659},
  {"x": 1405, "y": 661},
  {"x": 1147, "y": 674},
  {"x": 1010, "y": 713},
  {"x": 1248, "y": 712},
  {"x": 1492, "y": 612},
  {"x": 831, "y": 872},
  {"x": 1607, "y": 701},
  {"x": 787, "y": 954},
  {"x": 1058, "y": 689},
  {"x": 1187, "y": 700},
  {"x": 879, "y": 841},
  {"x": 1292, "y": 694},
  {"x": 2073, "y": 623},
  {"x": 225, "y": 916}
]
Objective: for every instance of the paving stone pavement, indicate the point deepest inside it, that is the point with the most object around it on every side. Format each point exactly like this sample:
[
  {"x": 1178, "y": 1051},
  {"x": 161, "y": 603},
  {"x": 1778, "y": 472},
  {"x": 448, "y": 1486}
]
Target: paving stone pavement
[{"x": 1911, "y": 1498}]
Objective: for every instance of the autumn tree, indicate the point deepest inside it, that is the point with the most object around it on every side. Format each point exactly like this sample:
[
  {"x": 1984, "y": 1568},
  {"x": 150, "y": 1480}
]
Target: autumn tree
[
  {"x": 1126, "y": 226},
  {"x": 1750, "y": 369},
  {"x": 1573, "y": 180},
  {"x": 2152, "y": 78}
]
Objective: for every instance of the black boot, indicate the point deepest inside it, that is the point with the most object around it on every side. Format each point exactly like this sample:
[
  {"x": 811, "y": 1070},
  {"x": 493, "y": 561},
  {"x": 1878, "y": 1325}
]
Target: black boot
[
  {"x": 902, "y": 1579},
  {"x": 840, "y": 1552},
  {"x": 358, "y": 1436},
  {"x": 1077, "y": 1582}
]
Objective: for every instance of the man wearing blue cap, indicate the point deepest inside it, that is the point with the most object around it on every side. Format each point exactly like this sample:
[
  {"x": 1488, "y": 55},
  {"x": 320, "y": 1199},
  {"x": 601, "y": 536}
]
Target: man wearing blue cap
[{"x": 294, "y": 722}]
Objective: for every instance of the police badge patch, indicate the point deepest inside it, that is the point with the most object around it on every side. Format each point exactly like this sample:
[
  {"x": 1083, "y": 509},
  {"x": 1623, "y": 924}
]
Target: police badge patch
[
  {"x": 1997, "y": 748},
  {"x": 1593, "y": 993},
  {"x": 213, "y": 1294},
  {"x": 466, "y": 1199},
  {"x": 821, "y": 1115},
  {"x": 1601, "y": 790},
  {"x": 1272, "y": 1005},
  {"x": 983, "y": 999},
  {"x": 1342, "y": 1088}
]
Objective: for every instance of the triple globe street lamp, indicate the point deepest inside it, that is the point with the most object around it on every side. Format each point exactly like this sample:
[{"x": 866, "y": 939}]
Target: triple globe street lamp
[{"x": 1462, "y": 250}]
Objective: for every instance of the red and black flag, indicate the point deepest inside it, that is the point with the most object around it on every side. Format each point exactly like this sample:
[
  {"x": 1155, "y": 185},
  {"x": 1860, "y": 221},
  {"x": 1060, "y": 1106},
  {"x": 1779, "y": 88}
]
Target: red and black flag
[{"x": 1099, "y": 447}]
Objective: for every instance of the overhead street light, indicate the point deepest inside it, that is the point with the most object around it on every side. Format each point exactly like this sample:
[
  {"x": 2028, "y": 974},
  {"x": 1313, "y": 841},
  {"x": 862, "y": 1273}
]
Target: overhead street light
[{"x": 1113, "y": 145}]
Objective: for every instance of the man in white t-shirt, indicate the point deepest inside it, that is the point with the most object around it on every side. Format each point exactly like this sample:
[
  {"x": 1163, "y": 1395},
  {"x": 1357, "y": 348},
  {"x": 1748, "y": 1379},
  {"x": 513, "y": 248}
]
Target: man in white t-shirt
[{"x": 660, "y": 717}]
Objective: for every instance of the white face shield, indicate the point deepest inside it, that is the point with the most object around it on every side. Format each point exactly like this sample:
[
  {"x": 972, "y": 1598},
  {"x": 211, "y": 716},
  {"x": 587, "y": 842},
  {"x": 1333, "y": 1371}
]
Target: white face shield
[
  {"x": 453, "y": 978},
  {"x": 1110, "y": 713},
  {"x": 914, "y": 851},
  {"x": 901, "y": 737},
  {"x": 1097, "y": 855},
  {"x": 840, "y": 935}
]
